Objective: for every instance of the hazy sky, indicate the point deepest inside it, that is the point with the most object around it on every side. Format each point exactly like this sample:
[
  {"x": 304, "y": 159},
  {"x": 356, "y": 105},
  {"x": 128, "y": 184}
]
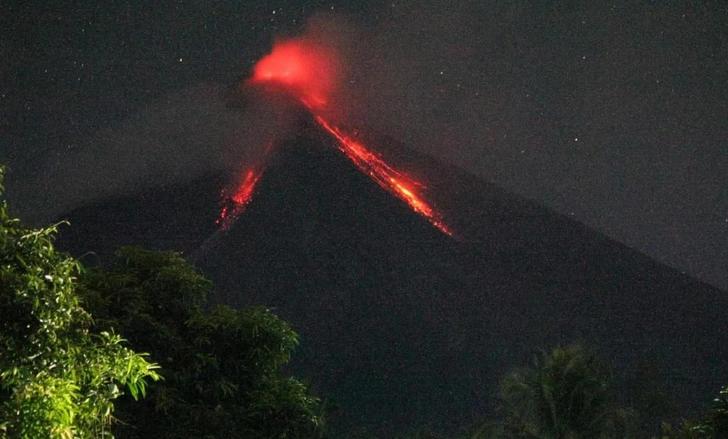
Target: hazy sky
[{"x": 615, "y": 113}]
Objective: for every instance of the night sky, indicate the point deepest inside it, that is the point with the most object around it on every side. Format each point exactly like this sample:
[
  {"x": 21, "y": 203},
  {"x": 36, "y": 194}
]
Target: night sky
[{"x": 614, "y": 113}]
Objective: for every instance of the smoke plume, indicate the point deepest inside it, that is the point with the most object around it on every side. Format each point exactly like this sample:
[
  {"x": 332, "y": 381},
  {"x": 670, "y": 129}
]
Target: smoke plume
[{"x": 180, "y": 137}]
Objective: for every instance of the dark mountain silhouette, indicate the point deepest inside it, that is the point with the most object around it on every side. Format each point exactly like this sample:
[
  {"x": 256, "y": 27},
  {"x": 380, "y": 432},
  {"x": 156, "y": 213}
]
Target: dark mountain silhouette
[{"x": 401, "y": 325}]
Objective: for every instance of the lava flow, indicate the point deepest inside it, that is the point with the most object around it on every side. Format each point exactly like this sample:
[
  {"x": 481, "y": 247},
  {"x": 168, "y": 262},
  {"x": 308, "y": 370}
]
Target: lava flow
[
  {"x": 393, "y": 181},
  {"x": 309, "y": 72},
  {"x": 234, "y": 204}
]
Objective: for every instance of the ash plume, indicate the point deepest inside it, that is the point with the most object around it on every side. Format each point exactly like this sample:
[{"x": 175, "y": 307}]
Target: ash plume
[
  {"x": 603, "y": 112},
  {"x": 184, "y": 135}
]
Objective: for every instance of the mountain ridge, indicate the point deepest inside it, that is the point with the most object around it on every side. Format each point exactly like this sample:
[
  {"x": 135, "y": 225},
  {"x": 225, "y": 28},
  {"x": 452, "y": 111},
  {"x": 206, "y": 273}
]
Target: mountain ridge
[{"x": 402, "y": 325}]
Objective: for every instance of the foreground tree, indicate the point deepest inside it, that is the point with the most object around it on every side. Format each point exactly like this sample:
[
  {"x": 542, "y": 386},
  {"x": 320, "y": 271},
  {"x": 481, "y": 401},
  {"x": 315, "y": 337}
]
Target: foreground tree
[
  {"x": 564, "y": 395},
  {"x": 222, "y": 367},
  {"x": 59, "y": 375},
  {"x": 713, "y": 426}
]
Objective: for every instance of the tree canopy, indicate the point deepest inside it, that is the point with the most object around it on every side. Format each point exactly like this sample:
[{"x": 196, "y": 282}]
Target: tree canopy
[
  {"x": 565, "y": 395},
  {"x": 222, "y": 367},
  {"x": 59, "y": 373}
]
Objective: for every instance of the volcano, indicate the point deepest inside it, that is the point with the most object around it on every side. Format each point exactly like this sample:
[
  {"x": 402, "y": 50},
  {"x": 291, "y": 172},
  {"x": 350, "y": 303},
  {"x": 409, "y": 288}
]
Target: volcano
[{"x": 401, "y": 324}]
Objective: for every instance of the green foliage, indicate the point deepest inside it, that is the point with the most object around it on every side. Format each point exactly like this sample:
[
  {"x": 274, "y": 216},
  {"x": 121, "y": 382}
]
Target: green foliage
[
  {"x": 713, "y": 426},
  {"x": 686, "y": 430},
  {"x": 716, "y": 421},
  {"x": 58, "y": 375},
  {"x": 565, "y": 395},
  {"x": 222, "y": 366}
]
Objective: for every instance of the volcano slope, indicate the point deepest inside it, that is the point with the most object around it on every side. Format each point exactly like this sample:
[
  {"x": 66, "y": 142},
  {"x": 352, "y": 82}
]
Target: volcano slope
[{"x": 402, "y": 326}]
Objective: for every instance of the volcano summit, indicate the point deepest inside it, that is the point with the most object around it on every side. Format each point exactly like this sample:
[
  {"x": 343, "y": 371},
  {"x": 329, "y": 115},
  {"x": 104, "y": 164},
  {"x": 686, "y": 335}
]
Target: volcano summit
[
  {"x": 402, "y": 325},
  {"x": 414, "y": 285}
]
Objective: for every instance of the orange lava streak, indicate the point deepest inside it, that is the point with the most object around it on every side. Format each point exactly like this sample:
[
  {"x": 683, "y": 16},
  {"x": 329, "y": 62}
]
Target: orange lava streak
[
  {"x": 388, "y": 178},
  {"x": 310, "y": 71},
  {"x": 235, "y": 204}
]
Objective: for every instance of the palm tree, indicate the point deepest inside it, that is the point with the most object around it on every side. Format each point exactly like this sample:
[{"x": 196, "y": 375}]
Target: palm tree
[{"x": 565, "y": 395}]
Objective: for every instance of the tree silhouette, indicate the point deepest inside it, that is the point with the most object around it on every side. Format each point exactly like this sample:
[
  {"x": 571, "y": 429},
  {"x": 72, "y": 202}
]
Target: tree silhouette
[
  {"x": 565, "y": 395},
  {"x": 222, "y": 367}
]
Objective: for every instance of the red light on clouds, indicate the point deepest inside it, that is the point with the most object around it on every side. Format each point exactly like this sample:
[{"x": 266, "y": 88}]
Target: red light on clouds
[
  {"x": 304, "y": 67},
  {"x": 310, "y": 71}
]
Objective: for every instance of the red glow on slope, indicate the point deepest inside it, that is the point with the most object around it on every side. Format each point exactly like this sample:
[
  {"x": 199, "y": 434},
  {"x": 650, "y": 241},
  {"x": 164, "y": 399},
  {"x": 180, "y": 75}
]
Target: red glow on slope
[
  {"x": 393, "y": 181},
  {"x": 303, "y": 67},
  {"x": 310, "y": 71},
  {"x": 235, "y": 204}
]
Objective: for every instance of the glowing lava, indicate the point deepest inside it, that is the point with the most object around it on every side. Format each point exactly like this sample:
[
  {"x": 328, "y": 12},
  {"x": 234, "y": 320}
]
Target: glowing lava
[
  {"x": 393, "y": 181},
  {"x": 235, "y": 204},
  {"x": 310, "y": 72}
]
